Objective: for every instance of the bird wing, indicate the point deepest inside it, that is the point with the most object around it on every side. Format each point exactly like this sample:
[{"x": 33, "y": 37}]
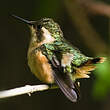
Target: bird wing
[{"x": 64, "y": 81}]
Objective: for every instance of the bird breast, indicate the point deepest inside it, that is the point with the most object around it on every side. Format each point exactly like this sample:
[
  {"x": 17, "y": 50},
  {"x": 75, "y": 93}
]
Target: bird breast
[{"x": 39, "y": 65}]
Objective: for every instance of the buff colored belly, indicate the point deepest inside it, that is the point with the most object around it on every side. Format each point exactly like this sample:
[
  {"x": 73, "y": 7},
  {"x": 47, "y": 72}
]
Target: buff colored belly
[{"x": 39, "y": 65}]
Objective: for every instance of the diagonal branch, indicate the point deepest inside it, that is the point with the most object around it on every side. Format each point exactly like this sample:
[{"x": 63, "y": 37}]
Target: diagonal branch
[
  {"x": 96, "y": 7},
  {"x": 80, "y": 19}
]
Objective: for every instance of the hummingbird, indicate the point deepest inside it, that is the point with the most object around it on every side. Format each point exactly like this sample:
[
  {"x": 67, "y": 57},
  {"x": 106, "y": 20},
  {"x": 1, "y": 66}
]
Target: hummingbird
[{"x": 53, "y": 60}]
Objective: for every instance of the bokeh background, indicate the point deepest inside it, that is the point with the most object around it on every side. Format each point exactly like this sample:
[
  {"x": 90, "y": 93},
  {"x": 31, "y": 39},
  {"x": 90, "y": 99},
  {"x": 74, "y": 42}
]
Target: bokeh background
[{"x": 85, "y": 24}]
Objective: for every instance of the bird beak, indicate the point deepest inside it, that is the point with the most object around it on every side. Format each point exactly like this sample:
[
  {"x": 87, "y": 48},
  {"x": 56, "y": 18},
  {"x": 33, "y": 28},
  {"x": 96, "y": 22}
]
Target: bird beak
[{"x": 23, "y": 20}]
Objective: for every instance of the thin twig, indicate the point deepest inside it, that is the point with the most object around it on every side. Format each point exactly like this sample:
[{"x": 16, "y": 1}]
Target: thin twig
[{"x": 28, "y": 89}]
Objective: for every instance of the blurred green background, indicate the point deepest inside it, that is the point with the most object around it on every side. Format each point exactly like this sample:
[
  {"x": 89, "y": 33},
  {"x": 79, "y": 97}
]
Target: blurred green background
[{"x": 84, "y": 27}]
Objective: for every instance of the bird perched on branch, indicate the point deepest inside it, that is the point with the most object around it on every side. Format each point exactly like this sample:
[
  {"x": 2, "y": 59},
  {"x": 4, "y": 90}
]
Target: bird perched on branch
[{"x": 53, "y": 60}]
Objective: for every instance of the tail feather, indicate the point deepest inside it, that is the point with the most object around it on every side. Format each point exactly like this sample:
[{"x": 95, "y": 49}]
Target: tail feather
[
  {"x": 95, "y": 60},
  {"x": 83, "y": 70}
]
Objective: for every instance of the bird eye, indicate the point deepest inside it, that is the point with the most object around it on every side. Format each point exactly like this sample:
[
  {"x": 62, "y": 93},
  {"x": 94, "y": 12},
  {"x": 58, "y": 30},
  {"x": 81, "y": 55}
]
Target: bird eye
[{"x": 39, "y": 27}]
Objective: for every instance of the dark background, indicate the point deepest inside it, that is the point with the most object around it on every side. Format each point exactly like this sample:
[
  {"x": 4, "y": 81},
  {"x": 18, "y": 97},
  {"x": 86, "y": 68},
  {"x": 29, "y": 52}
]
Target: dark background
[{"x": 14, "y": 71}]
